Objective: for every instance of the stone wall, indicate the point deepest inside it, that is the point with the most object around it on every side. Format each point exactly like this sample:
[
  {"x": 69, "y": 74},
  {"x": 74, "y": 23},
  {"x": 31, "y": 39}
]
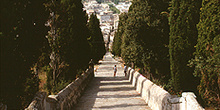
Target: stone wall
[
  {"x": 159, "y": 99},
  {"x": 66, "y": 98},
  {"x": 3, "y": 106}
]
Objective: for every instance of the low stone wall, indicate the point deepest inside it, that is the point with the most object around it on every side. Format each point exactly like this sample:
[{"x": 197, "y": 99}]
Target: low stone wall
[
  {"x": 66, "y": 98},
  {"x": 2, "y": 106},
  {"x": 159, "y": 99}
]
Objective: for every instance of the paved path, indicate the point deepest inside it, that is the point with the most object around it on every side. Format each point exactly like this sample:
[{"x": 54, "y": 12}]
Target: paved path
[{"x": 106, "y": 92}]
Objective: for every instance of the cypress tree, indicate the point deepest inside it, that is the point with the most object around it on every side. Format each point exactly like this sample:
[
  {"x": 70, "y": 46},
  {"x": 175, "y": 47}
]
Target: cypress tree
[
  {"x": 68, "y": 41},
  {"x": 116, "y": 48},
  {"x": 146, "y": 37},
  {"x": 96, "y": 39},
  {"x": 158, "y": 39},
  {"x": 183, "y": 35},
  {"x": 23, "y": 37},
  {"x": 207, "y": 52},
  {"x": 131, "y": 48},
  {"x": 173, "y": 29},
  {"x": 72, "y": 35}
]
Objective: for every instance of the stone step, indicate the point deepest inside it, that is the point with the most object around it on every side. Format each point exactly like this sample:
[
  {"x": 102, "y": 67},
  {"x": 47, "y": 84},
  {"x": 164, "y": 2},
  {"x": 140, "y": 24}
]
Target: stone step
[{"x": 106, "y": 92}]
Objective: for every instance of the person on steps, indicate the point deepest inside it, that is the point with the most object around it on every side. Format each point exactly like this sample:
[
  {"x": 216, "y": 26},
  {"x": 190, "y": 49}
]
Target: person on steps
[
  {"x": 125, "y": 70},
  {"x": 115, "y": 70}
]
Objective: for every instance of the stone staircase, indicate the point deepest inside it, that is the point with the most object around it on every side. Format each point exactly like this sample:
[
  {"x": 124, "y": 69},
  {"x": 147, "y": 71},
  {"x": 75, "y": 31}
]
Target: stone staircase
[
  {"x": 100, "y": 90},
  {"x": 108, "y": 92}
]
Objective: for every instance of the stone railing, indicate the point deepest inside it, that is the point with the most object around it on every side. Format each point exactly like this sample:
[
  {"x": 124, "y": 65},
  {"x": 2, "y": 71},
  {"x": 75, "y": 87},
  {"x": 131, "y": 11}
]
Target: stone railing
[
  {"x": 159, "y": 99},
  {"x": 66, "y": 98}
]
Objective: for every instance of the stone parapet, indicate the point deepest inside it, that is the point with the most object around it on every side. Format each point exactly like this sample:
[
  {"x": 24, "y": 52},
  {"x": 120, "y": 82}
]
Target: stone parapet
[
  {"x": 159, "y": 99},
  {"x": 39, "y": 102},
  {"x": 190, "y": 101},
  {"x": 66, "y": 98},
  {"x": 3, "y": 106}
]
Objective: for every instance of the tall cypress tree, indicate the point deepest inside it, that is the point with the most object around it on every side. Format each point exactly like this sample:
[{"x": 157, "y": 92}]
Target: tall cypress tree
[
  {"x": 183, "y": 35},
  {"x": 116, "y": 47},
  {"x": 96, "y": 39},
  {"x": 207, "y": 52},
  {"x": 131, "y": 49},
  {"x": 158, "y": 39},
  {"x": 146, "y": 36},
  {"x": 173, "y": 29},
  {"x": 73, "y": 34},
  {"x": 23, "y": 36}
]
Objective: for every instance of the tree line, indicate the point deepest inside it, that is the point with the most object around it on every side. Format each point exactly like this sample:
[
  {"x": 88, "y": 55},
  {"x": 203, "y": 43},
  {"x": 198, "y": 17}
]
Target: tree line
[
  {"x": 175, "y": 43},
  {"x": 62, "y": 49}
]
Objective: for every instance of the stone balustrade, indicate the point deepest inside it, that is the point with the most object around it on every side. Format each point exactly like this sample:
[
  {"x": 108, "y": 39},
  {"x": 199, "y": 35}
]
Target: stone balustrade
[
  {"x": 66, "y": 98},
  {"x": 159, "y": 99}
]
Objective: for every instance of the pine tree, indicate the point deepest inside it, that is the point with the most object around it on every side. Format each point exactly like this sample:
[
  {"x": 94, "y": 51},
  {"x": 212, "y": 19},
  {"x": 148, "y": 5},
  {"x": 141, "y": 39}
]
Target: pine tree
[
  {"x": 96, "y": 39},
  {"x": 183, "y": 35},
  {"x": 207, "y": 52}
]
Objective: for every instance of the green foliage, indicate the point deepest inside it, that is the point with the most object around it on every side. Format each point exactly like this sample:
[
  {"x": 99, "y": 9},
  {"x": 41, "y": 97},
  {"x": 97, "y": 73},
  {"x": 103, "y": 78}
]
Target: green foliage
[
  {"x": 96, "y": 40},
  {"x": 140, "y": 44},
  {"x": 131, "y": 49},
  {"x": 183, "y": 35},
  {"x": 74, "y": 45},
  {"x": 53, "y": 87},
  {"x": 32, "y": 86},
  {"x": 23, "y": 39},
  {"x": 116, "y": 1},
  {"x": 113, "y": 8},
  {"x": 142, "y": 38},
  {"x": 59, "y": 85},
  {"x": 26, "y": 47},
  {"x": 72, "y": 33},
  {"x": 207, "y": 53},
  {"x": 116, "y": 47},
  {"x": 49, "y": 81}
]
